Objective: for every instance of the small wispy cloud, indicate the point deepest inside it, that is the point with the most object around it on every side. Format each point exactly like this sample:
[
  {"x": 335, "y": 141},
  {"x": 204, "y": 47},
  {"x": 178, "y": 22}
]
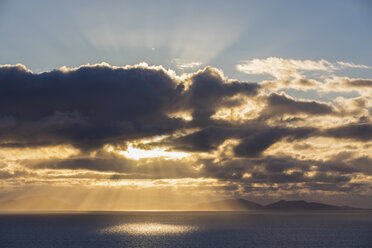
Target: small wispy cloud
[
  {"x": 285, "y": 69},
  {"x": 352, "y": 65},
  {"x": 184, "y": 65}
]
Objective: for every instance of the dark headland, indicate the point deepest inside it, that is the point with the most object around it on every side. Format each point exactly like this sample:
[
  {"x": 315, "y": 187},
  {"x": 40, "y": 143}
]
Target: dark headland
[{"x": 282, "y": 205}]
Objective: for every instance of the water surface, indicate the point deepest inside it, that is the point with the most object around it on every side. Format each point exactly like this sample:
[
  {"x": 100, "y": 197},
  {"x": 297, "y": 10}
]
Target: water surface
[{"x": 187, "y": 229}]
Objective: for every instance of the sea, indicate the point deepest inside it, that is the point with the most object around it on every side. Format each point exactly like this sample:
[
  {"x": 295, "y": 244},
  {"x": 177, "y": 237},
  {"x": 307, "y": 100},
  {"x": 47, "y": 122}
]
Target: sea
[{"x": 187, "y": 229}]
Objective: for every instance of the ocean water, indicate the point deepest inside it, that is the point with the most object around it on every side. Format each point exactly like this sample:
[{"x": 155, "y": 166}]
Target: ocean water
[{"x": 187, "y": 229}]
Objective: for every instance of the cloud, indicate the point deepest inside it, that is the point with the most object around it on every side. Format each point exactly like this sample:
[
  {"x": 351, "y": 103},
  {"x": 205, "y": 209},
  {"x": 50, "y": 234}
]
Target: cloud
[
  {"x": 352, "y": 65},
  {"x": 282, "y": 170},
  {"x": 95, "y": 164},
  {"x": 87, "y": 106},
  {"x": 4, "y": 174},
  {"x": 278, "y": 104},
  {"x": 306, "y": 75},
  {"x": 285, "y": 69},
  {"x": 357, "y": 131},
  {"x": 204, "y": 140},
  {"x": 209, "y": 90},
  {"x": 81, "y": 123},
  {"x": 186, "y": 65},
  {"x": 281, "y": 68},
  {"x": 256, "y": 143},
  {"x": 303, "y": 84},
  {"x": 344, "y": 84},
  {"x": 93, "y": 105},
  {"x": 253, "y": 139},
  {"x": 121, "y": 167}
]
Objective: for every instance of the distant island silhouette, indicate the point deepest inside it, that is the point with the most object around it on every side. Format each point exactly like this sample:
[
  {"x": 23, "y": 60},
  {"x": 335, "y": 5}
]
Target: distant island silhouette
[{"x": 282, "y": 205}]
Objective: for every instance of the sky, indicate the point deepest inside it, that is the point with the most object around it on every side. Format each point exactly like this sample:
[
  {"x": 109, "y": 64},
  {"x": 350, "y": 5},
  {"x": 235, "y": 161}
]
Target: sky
[{"x": 161, "y": 104}]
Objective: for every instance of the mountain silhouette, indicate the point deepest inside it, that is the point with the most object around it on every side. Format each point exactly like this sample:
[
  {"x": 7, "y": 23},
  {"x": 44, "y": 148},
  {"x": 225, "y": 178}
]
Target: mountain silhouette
[
  {"x": 303, "y": 205},
  {"x": 282, "y": 205}
]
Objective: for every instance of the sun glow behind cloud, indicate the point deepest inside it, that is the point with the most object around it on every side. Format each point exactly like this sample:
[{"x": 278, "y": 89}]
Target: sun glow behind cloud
[{"x": 136, "y": 153}]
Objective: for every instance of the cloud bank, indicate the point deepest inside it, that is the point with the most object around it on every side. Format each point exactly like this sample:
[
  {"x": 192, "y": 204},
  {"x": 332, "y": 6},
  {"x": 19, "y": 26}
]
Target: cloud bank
[{"x": 251, "y": 138}]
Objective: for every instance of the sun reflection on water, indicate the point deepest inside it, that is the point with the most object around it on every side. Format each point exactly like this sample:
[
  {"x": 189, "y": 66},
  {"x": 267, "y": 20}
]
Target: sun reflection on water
[{"x": 149, "y": 229}]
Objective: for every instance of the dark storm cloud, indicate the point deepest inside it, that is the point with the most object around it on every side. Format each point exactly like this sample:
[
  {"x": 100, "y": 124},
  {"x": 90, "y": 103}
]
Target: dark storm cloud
[
  {"x": 211, "y": 137},
  {"x": 204, "y": 140},
  {"x": 360, "y": 132},
  {"x": 253, "y": 140},
  {"x": 94, "y": 105},
  {"x": 278, "y": 104},
  {"x": 282, "y": 170},
  {"x": 332, "y": 187},
  {"x": 88, "y": 106},
  {"x": 209, "y": 91},
  {"x": 259, "y": 141},
  {"x": 255, "y": 137},
  {"x": 256, "y": 143},
  {"x": 280, "y": 164},
  {"x": 347, "y": 163}
]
